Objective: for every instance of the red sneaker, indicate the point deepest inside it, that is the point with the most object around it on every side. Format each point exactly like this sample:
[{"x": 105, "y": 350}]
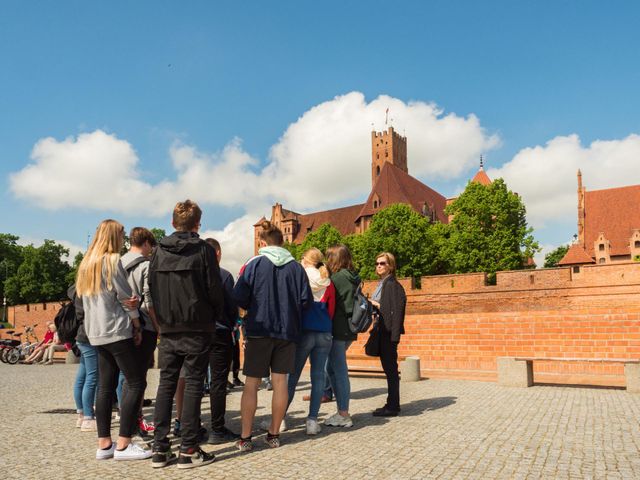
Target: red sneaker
[{"x": 144, "y": 426}]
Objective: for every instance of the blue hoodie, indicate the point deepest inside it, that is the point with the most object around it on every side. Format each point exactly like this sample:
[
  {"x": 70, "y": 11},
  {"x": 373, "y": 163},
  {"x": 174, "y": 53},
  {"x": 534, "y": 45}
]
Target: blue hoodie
[{"x": 274, "y": 289}]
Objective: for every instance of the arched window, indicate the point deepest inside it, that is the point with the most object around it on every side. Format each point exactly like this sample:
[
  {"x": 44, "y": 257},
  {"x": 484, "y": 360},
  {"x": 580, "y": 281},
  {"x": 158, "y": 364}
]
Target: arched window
[
  {"x": 377, "y": 170},
  {"x": 637, "y": 244},
  {"x": 602, "y": 260}
]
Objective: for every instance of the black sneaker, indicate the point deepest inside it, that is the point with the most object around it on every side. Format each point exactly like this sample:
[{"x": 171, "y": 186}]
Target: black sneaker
[
  {"x": 223, "y": 435},
  {"x": 161, "y": 459},
  {"x": 230, "y": 386},
  {"x": 195, "y": 457},
  {"x": 238, "y": 383}
]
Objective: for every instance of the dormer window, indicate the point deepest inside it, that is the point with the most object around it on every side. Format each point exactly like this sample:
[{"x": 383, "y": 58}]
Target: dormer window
[
  {"x": 601, "y": 247},
  {"x": 636, "y": 244},
  {"x": 375, "y": 204}
]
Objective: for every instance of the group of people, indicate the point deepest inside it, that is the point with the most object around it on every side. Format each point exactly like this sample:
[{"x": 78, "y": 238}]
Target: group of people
[{"x": 176, "y": 292}]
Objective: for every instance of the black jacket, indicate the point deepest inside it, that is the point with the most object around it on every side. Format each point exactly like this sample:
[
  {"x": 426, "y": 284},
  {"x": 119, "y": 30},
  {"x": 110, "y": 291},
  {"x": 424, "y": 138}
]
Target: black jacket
[
  {"x": 184, "y": 278},
  {"x": 393, "y": 301}
]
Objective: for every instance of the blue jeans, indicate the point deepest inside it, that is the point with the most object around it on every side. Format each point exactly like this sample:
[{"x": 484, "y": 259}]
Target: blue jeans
[
  {"x": 339, "y": 374},
  {"x": 84, "y": 389},
  {"x": 314, "y": 346}
]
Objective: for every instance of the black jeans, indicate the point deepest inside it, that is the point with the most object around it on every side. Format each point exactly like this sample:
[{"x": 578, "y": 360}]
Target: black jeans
[
  {"x": 174, "y": 350},
  {"x": 220, "y": 363},
  {"x": 113, "y": 358},
  {"x": 389, "y": 360},
  {"x": 144, "y": 356}
]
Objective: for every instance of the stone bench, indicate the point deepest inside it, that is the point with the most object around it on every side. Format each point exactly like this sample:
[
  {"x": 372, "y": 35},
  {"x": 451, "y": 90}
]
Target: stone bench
[
  {"x": 409, "y": 371},
  {"x": 518, "y": 371}
]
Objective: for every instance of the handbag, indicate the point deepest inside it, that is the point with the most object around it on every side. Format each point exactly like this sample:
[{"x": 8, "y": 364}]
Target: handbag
[{"x": 372, "y": 347}]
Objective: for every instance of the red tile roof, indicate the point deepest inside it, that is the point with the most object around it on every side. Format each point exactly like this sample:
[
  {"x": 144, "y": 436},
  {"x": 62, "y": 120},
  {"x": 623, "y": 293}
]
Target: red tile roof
[
  {"x": 395, "y": 186},
  {"x": 575, "y": 256},
  {"x": 614, "y": 212},
  {"x": 481, "y": 177},
  {"x": 343, "y": 219}
]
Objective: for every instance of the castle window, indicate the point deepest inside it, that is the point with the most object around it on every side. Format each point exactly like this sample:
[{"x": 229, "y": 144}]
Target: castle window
[
  {"x": 377, "y": 170},
  {"x": 601, "y": 247},
  {"x": 576, "y": 269},
  {"x": 637, "y": 244},
  {"x": 377, "y": 156},
  {"x": 386, "y": 154},
  {"x": 375, "y": 204},
  {"x": 602, "y": 260}
]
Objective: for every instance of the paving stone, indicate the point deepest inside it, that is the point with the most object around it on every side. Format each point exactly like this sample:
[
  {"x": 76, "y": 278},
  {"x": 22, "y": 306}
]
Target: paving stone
[{"x": 447, "y": 430}]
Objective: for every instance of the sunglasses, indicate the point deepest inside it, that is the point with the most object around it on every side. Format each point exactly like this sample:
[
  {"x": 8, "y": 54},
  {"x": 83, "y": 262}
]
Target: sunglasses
[{"x": 381, "y": 263}]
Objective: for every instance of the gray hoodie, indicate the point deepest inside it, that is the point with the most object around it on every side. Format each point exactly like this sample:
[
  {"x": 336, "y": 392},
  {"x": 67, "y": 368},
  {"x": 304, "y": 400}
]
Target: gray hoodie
[
  {"x": 106, "y": 318},
  {"x": 137, "y": 268}
]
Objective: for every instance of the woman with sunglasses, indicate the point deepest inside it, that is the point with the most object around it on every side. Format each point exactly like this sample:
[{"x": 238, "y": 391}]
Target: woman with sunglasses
[{"x": 390, "y": 300}]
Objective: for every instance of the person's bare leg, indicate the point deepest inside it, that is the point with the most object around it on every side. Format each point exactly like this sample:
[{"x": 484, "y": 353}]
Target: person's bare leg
[
  {"x": 279, "y": 401},
  {"x": 179, "y": 397},
  {"x": 104, "y": 442},
  {"x": 248, "y": 404}
]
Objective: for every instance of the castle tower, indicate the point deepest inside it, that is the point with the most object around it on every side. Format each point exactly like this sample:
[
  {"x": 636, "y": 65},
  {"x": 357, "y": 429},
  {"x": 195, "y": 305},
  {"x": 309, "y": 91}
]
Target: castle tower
[
  {"x": 581, "y": 212},
  {"x": 389, "y": 147}
]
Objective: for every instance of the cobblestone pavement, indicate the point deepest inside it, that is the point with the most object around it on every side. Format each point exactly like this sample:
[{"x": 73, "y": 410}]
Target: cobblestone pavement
[{"x": 447, "y": 430}]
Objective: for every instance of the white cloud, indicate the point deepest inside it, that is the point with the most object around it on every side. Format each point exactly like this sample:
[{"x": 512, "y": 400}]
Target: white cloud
[
  {"x": 322, "y": 159},
  {"x": 545, "y": 176},
  {"x": 236, "y": 240},
  {"x": 325, "y": 156}
]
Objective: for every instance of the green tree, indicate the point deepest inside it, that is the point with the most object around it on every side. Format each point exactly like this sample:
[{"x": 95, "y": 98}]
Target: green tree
[
  {"x": 552, "y": 258},
  {"x": 42, "y": 275},
  {"x": 324, "y": 237},
  {"x": 158, "y": 233},
  {"x": 10, "y": 258},
  {"x": 411, "y": 237},
  {"x": 489, "y": 231},
  {"x": 71, "y": 276}
]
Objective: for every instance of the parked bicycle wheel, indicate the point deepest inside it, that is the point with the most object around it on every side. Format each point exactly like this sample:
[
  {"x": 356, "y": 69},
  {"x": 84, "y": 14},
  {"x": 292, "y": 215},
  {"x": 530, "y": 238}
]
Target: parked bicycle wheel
[
  {"x": 13, "y": 356},
  {"x": 3, "y": 355}
]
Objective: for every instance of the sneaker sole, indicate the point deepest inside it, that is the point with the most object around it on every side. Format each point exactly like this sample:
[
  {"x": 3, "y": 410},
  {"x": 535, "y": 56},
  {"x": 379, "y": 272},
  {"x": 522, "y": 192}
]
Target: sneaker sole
[
  {"x": 130, "y": 459},
  {"x": 162, "y": 464},
  {"x": 347, "y": 425},
  {"x": 195, "y": 465}
]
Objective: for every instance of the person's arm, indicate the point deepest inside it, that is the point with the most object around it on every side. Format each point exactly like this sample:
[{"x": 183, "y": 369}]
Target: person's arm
[
  {"x": 230, "y": 307},
  {"x": 397, "y": 308},
  {"x": 146, "y": 297},
  {"x": 242, "y": 289},
  {"x": 125, "y": 297}
]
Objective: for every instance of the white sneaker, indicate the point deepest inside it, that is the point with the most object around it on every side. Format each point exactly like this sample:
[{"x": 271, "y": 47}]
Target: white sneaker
[
  {"x": 338, "y": 420},
  {"x": 132, "y": 452},
  {"x": 266, "y": 425},
  {"x": 88, "y": 425},
  {"x": 105, "y": 454},
  {"x": 79, "y": 420},
  {"x": 313, "y": 428}
]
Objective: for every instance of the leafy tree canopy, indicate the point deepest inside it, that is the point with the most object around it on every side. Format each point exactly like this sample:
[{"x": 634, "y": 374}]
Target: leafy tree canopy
[
  {"x": 552, "y": 258},
  {"x": 489, "y": 231}
]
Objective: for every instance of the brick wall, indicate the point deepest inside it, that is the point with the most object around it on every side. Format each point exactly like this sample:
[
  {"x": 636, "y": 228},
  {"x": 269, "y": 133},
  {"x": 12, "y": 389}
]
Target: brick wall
[
  {"x": 458, "y": 325},
  {"x": 38, "y": 314}
]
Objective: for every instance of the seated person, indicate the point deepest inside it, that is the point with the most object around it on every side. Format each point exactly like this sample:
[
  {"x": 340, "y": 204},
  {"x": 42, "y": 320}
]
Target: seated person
[{"x": 38, "y": 352}]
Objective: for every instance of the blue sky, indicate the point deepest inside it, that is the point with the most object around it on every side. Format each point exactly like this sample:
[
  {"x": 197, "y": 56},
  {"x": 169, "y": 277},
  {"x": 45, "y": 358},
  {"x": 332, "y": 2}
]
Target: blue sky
[{"x": 251, "y": 89}]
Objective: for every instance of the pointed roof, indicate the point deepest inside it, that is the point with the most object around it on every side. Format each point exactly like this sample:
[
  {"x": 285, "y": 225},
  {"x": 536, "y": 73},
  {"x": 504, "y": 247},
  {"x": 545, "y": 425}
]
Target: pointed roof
[
  {"x": 259, "y": 222},
  {"x": 576, "y": 255},
  {"x": 395, "y": 186},
  {"x": 482, "y": 178},
  {"x": 615, "y": 213},
  {"x": 343, "y": 219}
]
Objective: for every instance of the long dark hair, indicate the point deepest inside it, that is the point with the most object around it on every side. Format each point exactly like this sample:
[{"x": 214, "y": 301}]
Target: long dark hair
[{"x": 338, "y": 257}]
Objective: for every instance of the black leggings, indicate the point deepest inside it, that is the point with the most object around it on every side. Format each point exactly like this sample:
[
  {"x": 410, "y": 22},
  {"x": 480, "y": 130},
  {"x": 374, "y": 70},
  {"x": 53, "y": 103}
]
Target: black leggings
[{"x": 113, "y": 358}]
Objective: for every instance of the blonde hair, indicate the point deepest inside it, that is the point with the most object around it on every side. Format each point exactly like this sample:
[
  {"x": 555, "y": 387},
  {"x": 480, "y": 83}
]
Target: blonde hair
[
  {"x": 315, "y": 258},
  {"x": 391, "y": 261},
  {"x": 104, "y": 252}
]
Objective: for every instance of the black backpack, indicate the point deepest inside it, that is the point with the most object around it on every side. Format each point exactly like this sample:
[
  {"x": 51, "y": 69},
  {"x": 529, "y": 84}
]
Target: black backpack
[
  {"x": 66, "y": 323},
  {"x": 362, "y": 315}
]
